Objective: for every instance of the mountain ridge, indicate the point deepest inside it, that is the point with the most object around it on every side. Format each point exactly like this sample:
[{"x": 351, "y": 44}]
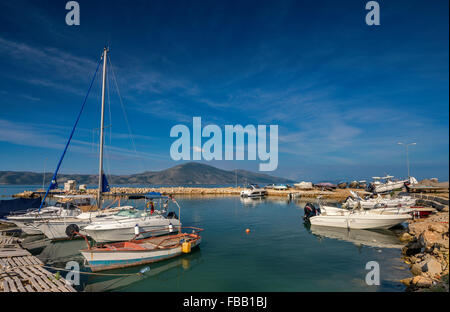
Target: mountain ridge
[{"x": 191, "y": 173}]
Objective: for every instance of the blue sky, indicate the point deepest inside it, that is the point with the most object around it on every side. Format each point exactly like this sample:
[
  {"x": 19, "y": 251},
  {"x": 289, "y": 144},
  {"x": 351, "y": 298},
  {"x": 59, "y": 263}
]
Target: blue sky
[{"x": 341, "y": 92}]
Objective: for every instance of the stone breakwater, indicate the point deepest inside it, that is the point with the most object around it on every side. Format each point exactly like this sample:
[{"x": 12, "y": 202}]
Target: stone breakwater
[
  {"x": 427, "y": 252},
  {"x": 338, "y": 195}
]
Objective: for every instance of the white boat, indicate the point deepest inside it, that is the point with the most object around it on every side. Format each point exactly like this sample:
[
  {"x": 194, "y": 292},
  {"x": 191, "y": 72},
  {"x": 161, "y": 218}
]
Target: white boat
[
  {"x": 355, "y": 219},
  {"x": 280, "y": 187},
  {"x": 123, "y": 229},
  {"x": 379, "y": 202},
  {"x": 359, "y": 220},
  {"x": 304, "y": 185},
  {"x": 56, "y": 229},
  {"x": 378, "y": 186},
  {"x": 253, "y": 191},
  {"x": 66, "y": 206}
]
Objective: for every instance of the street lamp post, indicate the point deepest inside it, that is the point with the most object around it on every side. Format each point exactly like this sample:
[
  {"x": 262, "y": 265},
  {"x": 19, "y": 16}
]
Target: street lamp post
[{"x": 407, "y": 157}]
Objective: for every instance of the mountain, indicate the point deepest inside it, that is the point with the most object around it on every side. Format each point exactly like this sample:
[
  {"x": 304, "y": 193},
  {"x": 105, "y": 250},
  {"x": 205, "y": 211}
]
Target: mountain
[{"x": 185, "y": 174}]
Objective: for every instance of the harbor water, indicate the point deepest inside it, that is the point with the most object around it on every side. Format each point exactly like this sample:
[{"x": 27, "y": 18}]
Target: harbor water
[{"x": 279, "y": 253}]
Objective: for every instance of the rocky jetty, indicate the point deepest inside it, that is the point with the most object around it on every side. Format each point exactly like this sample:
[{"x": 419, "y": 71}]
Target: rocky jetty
[
  {"x": 427, "y": 252},
  {"x": 337, "y": 195}
]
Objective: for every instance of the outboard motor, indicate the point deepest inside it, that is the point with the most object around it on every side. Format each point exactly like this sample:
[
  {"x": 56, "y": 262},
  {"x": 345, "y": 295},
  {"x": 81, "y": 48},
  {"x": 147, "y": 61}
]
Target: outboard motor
[
  {"x": 310, "y": 211},
  {"x": 72, "y": 230}
]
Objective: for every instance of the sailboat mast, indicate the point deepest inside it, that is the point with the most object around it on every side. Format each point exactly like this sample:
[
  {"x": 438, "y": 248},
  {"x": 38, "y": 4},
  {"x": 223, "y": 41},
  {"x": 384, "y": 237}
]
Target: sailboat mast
[{"x": 100, "y": 169}]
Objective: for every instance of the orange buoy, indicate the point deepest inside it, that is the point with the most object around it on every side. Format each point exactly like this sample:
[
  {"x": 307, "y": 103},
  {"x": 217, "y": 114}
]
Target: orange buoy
[{"x": 247, "y": 231}]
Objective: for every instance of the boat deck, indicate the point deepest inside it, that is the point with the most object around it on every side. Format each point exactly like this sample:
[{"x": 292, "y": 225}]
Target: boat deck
[
  {"x": 22, "y": 272},
  {"x": 144, "y": 244}
]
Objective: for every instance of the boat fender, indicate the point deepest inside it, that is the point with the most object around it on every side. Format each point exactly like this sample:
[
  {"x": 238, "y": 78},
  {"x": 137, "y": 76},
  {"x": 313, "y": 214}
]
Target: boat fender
[
  {"x": 136, "y": 229},
  {"x": 72, "y": 230},
  {"x": 170, "y": 227}
]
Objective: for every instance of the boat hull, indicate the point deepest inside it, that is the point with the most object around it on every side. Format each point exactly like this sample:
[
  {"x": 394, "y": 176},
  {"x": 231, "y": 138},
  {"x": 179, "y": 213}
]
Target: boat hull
[
  {"x": 28, "y": 228},
  {"x": 362, "y": 222},
  {"x": 57, "y": 230},
  {"x": 111, "y": 259},
  {"x": 102, "y": 234}
]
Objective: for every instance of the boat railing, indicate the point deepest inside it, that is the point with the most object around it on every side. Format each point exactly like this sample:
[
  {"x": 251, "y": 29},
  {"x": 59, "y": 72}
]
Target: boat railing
[{"x": 195, "y": 230}]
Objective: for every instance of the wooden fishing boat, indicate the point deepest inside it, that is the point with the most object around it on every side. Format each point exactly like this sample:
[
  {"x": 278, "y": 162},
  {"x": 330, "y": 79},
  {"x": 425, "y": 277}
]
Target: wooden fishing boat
[{"x": 141, "y": 251}]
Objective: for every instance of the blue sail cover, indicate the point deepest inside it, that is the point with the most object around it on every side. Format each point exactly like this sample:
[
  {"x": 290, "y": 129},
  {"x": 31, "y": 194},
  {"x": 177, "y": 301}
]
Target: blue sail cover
[{"x": 105, "y": 184}]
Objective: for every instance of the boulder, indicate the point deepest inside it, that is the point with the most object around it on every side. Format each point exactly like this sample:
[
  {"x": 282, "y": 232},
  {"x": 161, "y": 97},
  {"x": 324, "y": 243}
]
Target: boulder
[
  {"x": 412, "y": 248},
  {"x": 416, "y": 269},
  {"x": 439, "y": 228},
  {"x": 422, "y": 281},
  {"x": 418, "y": 228},
  {"x": 429, "y": 238},
  {"x": 406, "y": 281},
  {"x": 432, "y": 267},
  {"x": 405, "y": 237}
]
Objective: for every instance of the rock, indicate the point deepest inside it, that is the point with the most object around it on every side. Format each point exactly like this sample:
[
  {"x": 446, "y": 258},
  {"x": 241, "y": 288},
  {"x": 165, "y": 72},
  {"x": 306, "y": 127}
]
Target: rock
[
  {"x": 416, "y": 269},
  {"x": 418, "y": 228},
  {"x": 405, "y": 237},
  {"x": 422, "y": 281},
  {"x": 429, "y": 238},
  {"x": 432, "y": 267},
  {"x": 412, "y": 248},
  {"x": 439, "y": 228},
  {"x": 406, "y": 281}
]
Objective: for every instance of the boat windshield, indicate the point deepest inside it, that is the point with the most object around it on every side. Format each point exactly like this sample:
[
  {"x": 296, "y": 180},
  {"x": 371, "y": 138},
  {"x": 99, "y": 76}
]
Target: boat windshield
[{"x": 130, "y": 213}]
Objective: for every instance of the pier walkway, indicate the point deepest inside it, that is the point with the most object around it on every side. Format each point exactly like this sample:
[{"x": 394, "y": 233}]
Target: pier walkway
[{"x": 22, "y": 272}]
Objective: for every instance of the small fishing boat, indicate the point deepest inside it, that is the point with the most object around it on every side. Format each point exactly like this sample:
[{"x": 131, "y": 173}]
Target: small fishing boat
[
  {"x": 141, "y": 251},
  {"x": 342, "y": 185}
]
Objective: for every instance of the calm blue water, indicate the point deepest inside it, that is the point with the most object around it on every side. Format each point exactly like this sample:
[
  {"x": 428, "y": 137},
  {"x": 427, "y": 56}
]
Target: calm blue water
[{"x": 279, "y": 253}]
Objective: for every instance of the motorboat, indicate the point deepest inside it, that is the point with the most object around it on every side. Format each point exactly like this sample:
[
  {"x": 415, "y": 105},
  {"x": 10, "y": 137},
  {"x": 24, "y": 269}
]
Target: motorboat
[
  {"x": 253, "y": 190},
  {"x": 57, "y": 229},
  {"x": 352, "y": 219},
  {"x": 387, "y": 184},
  {"x": 358, "y": 219},
  {"x": 66, "y": 206},
  {"x": 280, "y": 187},
  {"x": 355, "y": 201},
  {"x": 304, "y": 185},
  {"x": 125, "y": 225}
]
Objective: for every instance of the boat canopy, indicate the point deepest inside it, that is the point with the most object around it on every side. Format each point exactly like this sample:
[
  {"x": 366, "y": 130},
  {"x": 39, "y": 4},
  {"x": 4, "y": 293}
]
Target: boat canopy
[{"x": 155, "y": 195}]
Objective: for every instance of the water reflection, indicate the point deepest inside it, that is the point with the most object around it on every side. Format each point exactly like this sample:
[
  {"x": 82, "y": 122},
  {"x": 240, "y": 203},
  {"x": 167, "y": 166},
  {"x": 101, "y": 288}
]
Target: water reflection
[
  {"x": 161, "y": 271},
  {"x": 54, "y": 253},
  {"x": 371, "y": 238}
]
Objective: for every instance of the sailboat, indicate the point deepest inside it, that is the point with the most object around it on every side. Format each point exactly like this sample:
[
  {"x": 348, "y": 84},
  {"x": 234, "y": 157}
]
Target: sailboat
[{"x": 68, "y": 227}]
